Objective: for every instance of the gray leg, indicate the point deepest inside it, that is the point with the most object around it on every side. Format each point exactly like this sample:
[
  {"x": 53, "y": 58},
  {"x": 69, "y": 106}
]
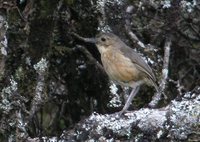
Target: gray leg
[{"x": 129, "y": 100}]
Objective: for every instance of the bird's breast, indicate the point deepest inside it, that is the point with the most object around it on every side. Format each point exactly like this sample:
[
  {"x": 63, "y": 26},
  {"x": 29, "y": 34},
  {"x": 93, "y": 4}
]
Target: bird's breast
[{"x": 118, "y": 67}]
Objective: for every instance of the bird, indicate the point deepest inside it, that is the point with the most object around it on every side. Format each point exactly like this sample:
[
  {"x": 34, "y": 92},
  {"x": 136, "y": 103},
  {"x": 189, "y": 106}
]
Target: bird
[{"x": 123, "y": 65}]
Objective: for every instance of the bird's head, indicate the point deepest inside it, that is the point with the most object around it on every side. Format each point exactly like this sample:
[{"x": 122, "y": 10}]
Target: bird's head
[{"x": 105, "y": 41}]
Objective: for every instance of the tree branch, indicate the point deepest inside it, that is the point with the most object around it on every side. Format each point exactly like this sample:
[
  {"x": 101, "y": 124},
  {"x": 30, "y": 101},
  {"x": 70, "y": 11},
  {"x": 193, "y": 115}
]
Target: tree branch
[
  {"x": 39, "y": 97},
  {"x": 157, "y": 97},
  {"x": 133, "y": 37},
  {"x": 175, "y": 122},
  {"x": 171, "y": 122},
  {"x": 88, "y": 40}
]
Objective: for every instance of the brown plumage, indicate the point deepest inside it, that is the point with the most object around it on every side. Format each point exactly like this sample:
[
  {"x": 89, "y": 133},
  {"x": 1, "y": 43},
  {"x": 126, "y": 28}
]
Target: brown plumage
[{"x": 123, "y": 65}]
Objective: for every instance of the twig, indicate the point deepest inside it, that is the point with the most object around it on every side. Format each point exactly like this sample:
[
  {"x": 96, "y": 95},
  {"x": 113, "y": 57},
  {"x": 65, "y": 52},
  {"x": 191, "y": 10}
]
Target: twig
[
  {"x": 179, "y": 87},
  {"x": 133, "y": 37},
  {"x": 89, "y": 40},
  {"x": 165, "y": 64},
  {"x": 128, "y": 28},
  {"x": 162, "y": 86},
  {"x": 91, "y": 58},
  {"x": 157, "y": 96},
  {"x": 86, "y": 52}
]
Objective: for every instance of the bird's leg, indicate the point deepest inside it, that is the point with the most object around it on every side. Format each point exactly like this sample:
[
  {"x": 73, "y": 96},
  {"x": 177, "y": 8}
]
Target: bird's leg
[{"x": 129, "y": 100}]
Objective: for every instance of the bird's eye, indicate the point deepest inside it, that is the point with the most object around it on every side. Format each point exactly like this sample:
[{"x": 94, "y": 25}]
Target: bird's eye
[{"x": 103, "y": 39}]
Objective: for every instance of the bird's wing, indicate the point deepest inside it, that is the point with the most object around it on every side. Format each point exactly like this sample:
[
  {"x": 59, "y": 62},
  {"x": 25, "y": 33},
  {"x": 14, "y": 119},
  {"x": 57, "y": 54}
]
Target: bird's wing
[{"x": 138, "y": 61}]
